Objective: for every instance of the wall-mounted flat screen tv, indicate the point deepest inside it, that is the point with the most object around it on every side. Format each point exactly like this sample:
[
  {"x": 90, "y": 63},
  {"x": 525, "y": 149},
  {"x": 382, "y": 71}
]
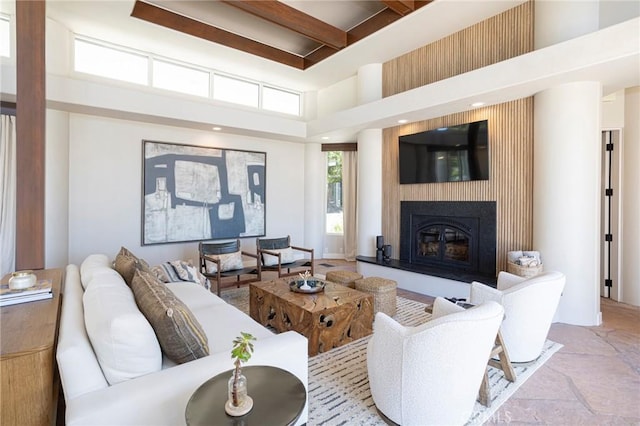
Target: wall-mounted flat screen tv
[{"x": 448, "y": 154}]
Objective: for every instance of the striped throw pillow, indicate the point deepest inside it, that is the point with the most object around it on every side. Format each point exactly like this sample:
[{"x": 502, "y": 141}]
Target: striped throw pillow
[{"x": 179, "y": 270}]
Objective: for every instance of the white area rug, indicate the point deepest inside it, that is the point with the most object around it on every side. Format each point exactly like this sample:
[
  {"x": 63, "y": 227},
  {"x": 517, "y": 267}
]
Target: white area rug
[{"x": 339, "y": 386}]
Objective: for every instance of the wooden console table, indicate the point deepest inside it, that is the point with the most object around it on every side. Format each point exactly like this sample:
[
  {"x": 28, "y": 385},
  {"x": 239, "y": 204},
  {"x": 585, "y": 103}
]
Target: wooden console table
[{"x": 27, "y": 357}]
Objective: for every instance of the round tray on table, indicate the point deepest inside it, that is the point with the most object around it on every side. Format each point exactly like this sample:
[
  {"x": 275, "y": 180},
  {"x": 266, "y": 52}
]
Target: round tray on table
[{"x": 315, "y": 286}]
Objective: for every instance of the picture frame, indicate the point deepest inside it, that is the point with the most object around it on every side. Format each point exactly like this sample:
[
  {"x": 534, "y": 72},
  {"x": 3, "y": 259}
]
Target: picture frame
[{"x": 198, "y": 193}]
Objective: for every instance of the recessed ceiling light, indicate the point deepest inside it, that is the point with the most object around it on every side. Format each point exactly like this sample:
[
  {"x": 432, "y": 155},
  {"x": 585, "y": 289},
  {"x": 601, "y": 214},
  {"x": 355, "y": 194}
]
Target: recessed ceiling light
[
  {"x": 477, "y": 104},
  {"x": 217, "y": 129},
  {"x": 402, "y": 121},
  {"x": 324, "y": 138}
]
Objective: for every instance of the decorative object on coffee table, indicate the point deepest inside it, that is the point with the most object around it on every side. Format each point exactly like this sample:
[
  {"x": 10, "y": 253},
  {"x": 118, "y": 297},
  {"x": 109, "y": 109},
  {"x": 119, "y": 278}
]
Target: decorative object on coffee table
[
  {"x": 239, "y": 403},
  {"x": 343, "y": 277},
  {"x": 383, "y": 291},
  {"x": 307, "y": 284},
  {"x": 304, "y": 277}
]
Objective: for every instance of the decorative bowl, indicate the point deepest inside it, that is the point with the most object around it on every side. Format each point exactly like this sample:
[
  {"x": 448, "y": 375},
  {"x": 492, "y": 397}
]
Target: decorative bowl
[
  {"x": 22, "y": 279},
  {"x": 314, "y": 286}
]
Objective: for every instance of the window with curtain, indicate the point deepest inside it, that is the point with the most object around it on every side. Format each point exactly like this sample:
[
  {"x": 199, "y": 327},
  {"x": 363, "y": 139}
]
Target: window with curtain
[
  {"x": 7, "y": 193},
  {"x": 334, "y": 212}
]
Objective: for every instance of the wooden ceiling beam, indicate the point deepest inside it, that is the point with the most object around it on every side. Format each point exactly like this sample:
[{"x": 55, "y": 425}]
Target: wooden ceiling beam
[
  {"x": 174, "y": 21},
  {"x": 401, "y": 7},
  {"x": 285, "y": 16},
  {"x": 371, "y": 25},
  {"x": 357, "y": 33},
  {"x": 377, "y": 22},
  {"x": 294, "y": 20}
]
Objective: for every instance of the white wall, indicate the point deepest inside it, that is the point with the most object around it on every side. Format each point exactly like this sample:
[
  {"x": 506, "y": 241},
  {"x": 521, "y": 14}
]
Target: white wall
[
  {"x": 56, "y": 189},
  {"x": 105, "y": 185},
  {"x": 314, "y": 200},
  {"x": 340, "y": 96},
  {"x": 615, "y": 11},
  {"x": 613, "y": 110},
  {"x": 631, "y": 199},
  {"x": 621, "y": 110},
  {"x": 563, "y": 20}
]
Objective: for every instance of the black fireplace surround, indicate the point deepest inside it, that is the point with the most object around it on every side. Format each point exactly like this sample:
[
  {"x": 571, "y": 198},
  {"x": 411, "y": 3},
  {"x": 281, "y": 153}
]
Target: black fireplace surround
[
  {"x": 457, "y": 235},
  {"x": 448, "y": 239}
]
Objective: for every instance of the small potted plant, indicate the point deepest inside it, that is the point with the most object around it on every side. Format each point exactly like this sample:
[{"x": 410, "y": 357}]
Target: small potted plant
[{"x": 239, "y": 403}]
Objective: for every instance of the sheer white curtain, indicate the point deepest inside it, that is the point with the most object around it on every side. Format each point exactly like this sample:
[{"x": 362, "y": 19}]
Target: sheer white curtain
[
  {"x": 349, "y": 206},
  {"x": 7, "y": 194}
]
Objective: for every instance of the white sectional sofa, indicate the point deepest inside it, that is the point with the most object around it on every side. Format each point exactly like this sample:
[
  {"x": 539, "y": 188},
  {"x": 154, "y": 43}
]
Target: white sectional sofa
[{"x": 123, "y": 378}]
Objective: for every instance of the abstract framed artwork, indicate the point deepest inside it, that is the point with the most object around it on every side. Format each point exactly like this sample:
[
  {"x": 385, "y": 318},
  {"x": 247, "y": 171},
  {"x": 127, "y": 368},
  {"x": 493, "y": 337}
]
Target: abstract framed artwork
[{"x": 195, "y": 193}]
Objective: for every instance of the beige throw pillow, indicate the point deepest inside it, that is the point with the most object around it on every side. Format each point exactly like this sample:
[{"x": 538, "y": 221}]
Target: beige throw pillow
[
  {"x": 228, "y": 262},
  {"x": 126, "y": 263},
  {"x": 286, "y": 256},
  {"x": 181, "y": 336}
]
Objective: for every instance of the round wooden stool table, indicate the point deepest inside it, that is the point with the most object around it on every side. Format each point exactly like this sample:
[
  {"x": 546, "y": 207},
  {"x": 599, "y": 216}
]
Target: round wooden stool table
[{"x": 278, "y": 399}]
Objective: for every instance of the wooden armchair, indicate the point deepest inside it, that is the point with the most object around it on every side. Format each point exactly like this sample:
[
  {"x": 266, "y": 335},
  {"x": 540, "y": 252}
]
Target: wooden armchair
[
  {"x": 223, "y": 260},
  {"x": 277, "y": 254}
]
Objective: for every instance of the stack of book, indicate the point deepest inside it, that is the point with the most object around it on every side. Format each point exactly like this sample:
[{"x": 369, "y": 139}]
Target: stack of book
[{"x": 40, "y": 291}]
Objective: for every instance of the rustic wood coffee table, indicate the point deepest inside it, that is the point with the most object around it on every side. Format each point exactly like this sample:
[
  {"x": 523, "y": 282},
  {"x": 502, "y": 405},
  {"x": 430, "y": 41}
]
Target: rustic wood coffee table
[{"x": 331, "y": 318}]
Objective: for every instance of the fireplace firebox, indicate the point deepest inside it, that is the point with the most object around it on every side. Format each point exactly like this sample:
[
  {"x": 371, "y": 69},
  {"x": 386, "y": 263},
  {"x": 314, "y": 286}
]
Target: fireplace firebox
[{"x": 452, "y": 235}]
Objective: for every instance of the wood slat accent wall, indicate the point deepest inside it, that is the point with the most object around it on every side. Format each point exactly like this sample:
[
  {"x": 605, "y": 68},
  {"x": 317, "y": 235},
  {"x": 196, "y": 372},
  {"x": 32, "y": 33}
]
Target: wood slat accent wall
[
  {"x": 510, "y": 129},
  {"x": 504, "y": 36},
  {"x": 510, "y": 181}
]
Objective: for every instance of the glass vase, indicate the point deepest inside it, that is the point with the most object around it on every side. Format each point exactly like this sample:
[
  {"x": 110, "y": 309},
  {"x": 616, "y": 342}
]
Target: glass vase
[{"x": 244, "y": 401}]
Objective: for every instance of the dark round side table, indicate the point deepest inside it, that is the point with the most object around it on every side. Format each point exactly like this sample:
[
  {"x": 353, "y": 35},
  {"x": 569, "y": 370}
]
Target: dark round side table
[{"x": 278, "y": 399}]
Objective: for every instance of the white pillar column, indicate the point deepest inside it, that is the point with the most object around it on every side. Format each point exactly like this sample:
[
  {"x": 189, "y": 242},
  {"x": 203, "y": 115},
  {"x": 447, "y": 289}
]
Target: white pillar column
[
  {"x": 314, "y": 198},
  {"x": 567, "y": 164},
  {"x": 369, "y": 165},
  {"x": 369, "y": 83},
  {"x": 566, "y": 195},
  {"x": 557, "y": 21},
  {"x": 369, "y": 190}
]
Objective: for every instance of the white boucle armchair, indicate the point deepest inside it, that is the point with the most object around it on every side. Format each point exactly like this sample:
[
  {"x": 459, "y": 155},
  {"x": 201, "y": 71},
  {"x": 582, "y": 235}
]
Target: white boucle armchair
[
  {"x": 529, "y": 305},
  {"x": 431, "y": 374}
]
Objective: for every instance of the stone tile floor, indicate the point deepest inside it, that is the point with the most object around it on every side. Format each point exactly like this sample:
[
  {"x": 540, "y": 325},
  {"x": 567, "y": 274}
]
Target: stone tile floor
[{"x": 593, "y": 380}]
